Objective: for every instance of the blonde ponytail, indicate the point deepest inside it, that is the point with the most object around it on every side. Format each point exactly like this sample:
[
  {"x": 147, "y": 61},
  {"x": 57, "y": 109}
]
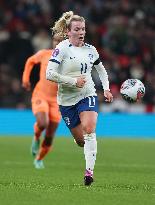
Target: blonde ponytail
[{"x": 61, "y": 26}]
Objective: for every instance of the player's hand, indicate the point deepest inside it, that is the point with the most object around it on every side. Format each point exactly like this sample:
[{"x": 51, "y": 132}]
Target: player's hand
[
  {"x": 108, "y": 95},
  {"x": 81, "y": 81},
  {"x": 26, "y": 85}
]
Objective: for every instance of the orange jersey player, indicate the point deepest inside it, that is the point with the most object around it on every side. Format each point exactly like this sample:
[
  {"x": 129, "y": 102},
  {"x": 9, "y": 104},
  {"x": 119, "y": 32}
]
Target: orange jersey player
[{"x": 44, "y": 104}]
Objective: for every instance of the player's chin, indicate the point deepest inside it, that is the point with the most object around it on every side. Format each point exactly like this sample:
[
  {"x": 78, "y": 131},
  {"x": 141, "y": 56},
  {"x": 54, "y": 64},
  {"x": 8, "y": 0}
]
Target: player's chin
[{"x": 81, "y": 39}]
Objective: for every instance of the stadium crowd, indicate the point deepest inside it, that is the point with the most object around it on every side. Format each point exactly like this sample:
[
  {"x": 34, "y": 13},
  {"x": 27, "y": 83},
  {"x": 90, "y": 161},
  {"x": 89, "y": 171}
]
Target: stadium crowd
[{"x": 123, "y": 31}]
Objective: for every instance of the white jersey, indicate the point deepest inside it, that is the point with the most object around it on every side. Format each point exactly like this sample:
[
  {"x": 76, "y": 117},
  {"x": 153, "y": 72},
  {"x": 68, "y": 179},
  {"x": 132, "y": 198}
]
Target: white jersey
[{"x": 74, "y": 61}]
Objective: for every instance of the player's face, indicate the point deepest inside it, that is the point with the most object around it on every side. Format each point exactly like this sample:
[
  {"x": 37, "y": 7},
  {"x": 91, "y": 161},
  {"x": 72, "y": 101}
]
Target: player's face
[
  {"x": 56, "y": 40},
  {"x": 76, "y": 33}
]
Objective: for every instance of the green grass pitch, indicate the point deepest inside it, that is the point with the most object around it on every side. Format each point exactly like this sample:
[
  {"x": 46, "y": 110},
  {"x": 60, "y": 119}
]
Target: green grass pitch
[{"x": 124, "y": 173}]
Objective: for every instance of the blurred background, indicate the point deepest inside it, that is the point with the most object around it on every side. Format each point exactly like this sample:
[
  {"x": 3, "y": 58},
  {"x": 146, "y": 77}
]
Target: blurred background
[{"x": 123, "y": 31}]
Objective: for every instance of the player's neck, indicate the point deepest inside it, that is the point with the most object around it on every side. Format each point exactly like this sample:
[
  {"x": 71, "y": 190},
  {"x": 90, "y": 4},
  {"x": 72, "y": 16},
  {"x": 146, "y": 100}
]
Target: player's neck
[{"x": 76, "y": 43}]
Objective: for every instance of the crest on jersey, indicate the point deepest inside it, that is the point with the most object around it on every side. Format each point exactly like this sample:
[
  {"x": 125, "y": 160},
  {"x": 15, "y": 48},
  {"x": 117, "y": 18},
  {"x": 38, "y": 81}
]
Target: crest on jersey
[
  {"x": 67, "y": 120},
  {"x": 55, "y": 52},
  {"x": 90, "y": 56}
]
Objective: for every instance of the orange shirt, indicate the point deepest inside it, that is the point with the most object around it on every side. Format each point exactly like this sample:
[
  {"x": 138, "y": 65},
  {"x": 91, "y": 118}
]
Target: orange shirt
[{"x": 44, "y": 88}]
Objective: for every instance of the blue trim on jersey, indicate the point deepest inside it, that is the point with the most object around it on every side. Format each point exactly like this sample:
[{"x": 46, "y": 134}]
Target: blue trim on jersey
[
  {"x": 70, "y": 114},
  {"x": 54, "y": 60},
  {"x": 88, "y": 45}
]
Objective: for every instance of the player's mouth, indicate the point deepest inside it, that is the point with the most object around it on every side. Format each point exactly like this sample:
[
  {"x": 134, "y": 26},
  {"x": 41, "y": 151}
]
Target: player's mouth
[{"x": 81, "y": 38}]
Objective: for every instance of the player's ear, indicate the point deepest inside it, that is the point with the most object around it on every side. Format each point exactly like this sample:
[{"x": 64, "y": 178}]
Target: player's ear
[{"x": 67, "y": 32}]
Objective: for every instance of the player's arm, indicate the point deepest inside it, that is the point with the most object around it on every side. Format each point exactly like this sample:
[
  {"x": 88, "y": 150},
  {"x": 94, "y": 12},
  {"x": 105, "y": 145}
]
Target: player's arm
[
  {"x": 52, "y": 72},
  {"x": 103, "y": 76},
  {"x": 53, "y": 75},
  {"x": 31, "y": 61},
  {"x": 104, "y": 79}
]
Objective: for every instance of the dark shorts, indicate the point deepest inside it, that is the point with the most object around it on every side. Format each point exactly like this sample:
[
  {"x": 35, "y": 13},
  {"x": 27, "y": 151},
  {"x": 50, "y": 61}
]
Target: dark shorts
[{"x": 70, "y": 114}]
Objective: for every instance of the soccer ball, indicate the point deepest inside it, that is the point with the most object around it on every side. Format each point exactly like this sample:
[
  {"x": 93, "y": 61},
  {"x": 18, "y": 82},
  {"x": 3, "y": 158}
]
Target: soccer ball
[{"x": 132, "y": 90}]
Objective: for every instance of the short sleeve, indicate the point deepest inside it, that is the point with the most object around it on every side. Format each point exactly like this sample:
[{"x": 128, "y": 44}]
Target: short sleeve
[{"x": 38, "y": 56}]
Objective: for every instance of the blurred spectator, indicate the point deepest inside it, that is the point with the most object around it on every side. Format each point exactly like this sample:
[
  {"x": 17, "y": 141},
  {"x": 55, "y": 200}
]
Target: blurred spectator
[
  {"x": 41, "y": 40},
  {"x": 122, "y": 30}
]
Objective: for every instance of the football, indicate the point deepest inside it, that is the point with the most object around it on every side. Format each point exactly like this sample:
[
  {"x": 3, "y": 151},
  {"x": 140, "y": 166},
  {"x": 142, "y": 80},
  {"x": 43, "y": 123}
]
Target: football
[{"x": 132, "y": 90}]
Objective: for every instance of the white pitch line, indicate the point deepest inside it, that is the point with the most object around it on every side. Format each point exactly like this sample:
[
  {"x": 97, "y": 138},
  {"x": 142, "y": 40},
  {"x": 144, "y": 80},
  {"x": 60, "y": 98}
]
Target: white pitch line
[{"x": 98, "y": 164}]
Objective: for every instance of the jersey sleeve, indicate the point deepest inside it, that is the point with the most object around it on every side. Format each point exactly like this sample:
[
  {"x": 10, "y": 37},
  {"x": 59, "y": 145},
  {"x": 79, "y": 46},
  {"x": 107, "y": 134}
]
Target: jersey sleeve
[
  {"x": 100, "y": 69},
  {"x": 52, "y": 71},
  {"x": 31, "y": 61},
  {"x": 38, "y": 56},
  {"x": 58, "y": 53},
  {"x": 96, "y": 54}
]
